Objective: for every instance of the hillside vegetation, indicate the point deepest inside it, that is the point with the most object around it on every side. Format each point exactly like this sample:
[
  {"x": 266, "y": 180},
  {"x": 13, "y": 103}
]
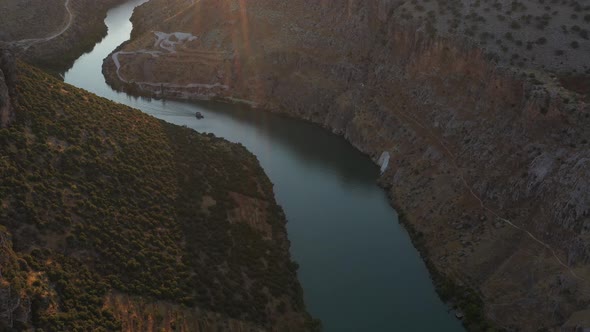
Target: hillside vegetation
[{"x": 98, "y": 200}]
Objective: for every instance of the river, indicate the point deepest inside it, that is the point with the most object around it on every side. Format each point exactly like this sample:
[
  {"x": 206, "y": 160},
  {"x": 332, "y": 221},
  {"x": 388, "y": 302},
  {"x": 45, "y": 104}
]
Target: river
[{"x": 358, "y": 267}]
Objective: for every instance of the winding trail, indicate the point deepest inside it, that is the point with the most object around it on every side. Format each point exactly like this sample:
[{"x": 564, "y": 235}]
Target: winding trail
[
  {"x": 27, "y": 43},
  {"x": 454, "y": 158}
]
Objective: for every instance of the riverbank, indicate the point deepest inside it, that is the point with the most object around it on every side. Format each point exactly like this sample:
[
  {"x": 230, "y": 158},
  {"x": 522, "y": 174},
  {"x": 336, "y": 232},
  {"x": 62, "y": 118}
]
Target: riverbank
[{"x": 465, "y": 300}]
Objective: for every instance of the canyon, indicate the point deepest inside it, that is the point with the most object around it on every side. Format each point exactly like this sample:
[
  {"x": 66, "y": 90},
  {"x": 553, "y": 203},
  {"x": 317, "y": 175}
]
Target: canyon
[{"x": 488, "y": 163}]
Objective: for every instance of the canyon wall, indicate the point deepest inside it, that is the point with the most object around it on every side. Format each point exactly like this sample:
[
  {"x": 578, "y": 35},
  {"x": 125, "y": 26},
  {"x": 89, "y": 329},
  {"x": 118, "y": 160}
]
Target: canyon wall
[
  {"x": 7, "y": 81},
  {"x": 489, "y": 167}
]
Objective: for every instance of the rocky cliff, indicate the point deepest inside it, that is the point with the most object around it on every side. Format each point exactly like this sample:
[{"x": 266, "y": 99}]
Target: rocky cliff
[
  {"x": 7, "y": 87},
  {"x": 489, "y": 165}
]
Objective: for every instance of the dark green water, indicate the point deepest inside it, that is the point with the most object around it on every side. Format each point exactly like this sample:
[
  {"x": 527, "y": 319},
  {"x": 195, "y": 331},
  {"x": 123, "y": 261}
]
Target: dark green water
[{"x": 359, "y": 269}]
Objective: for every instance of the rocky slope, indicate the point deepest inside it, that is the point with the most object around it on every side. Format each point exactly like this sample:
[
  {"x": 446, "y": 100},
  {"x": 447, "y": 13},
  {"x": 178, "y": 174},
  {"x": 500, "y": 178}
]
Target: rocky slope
[
  {"x": 113, "y": 220},
  {"x": 489, "y": 166}
]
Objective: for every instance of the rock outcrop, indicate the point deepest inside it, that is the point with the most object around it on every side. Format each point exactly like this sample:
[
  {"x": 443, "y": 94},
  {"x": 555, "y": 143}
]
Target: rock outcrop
[
  {"x": 489, "y": 166},
  {"x": 15, "y": 304},
  {"x": 7, "y": 87}
]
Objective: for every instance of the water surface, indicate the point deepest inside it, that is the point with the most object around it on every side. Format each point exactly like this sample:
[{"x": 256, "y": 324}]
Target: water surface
[{"x": 359, "y": 269}]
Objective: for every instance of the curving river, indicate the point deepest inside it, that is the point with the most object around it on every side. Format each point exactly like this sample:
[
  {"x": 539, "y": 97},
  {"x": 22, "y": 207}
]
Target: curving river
[{"x": 358, "y": 268}]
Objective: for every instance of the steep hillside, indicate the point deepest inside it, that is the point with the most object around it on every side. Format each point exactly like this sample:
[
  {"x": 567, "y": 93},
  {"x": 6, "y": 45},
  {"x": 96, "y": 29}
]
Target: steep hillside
[
  {"x": 113, "y": 220},
  {"x": 487, "y": 163}
]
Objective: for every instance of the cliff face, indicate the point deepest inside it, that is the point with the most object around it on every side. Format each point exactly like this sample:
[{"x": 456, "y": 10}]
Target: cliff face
[
  {"x": 489, "y": 166},
  {"x": 5, "y": 107},
  {"x": 7, "y": 86},
  {"x": 14, "y": 304}
]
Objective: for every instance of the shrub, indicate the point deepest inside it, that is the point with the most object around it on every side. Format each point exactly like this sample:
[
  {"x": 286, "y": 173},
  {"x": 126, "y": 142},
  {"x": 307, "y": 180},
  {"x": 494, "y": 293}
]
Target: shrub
[{"x": 542, "y": 41}]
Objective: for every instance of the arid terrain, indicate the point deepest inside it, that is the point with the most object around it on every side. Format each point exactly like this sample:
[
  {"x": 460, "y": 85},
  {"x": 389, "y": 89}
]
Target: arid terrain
[
  {"x": 534, "y": 34},
  {"x": 488, "y": 151},
  {"x": 30, "y": 23},
  {"x": 52, "y": 33}
]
